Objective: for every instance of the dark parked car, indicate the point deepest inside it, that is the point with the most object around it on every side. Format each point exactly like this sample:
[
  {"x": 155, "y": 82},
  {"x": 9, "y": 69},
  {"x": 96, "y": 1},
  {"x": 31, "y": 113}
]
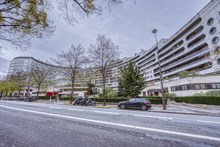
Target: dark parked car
[{"x": 139, "y": 103}]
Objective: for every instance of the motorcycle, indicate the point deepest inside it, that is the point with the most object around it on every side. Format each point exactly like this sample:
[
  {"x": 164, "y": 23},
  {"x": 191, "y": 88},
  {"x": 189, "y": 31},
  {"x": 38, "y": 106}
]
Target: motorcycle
[{"x": 90, "y": 102}]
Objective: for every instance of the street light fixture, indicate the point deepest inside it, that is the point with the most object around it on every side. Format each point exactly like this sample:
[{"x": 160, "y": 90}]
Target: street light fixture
[{"x": 161, "y": 78}]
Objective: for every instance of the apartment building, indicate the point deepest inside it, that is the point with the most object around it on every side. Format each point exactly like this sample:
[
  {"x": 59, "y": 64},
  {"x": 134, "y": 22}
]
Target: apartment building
[{"x": 194, "y": 48}]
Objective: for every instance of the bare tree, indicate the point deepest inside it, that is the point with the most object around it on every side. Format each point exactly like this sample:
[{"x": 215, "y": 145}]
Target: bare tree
[
  {"x": 20, "y": 20},
  {"x": 71, "y": 63},
  {"x": 70, "y": 8},
  {"x": 20, "y": 80},
  {"x": 102, "y": 54},
  {"x": 41, "y": 74}
]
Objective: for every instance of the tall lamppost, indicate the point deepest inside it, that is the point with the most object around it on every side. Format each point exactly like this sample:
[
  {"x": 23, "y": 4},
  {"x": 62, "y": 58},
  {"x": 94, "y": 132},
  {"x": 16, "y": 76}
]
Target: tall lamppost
[{"x": 161, "y": 78}]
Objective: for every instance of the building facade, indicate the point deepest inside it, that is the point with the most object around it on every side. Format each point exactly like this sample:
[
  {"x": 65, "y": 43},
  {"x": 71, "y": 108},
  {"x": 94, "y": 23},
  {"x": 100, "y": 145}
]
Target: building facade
[{"x": 195, "y": 48}]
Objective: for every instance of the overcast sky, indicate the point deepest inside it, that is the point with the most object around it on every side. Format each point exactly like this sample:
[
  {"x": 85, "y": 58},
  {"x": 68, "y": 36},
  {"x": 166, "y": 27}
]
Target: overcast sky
[{"x": 128, "y": 25}]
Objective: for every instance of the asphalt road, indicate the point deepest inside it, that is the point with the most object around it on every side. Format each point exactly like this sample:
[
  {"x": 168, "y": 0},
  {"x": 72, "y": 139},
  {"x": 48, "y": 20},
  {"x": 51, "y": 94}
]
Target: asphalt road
[{"x": 48, "y": 125}]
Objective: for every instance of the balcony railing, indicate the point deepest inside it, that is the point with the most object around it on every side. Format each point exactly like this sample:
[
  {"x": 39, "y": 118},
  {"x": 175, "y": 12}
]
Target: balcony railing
[
  {"x": 200, "y": 52},
  {"x": 171, "y": 52},
  {"x": 182, "y": 67}
]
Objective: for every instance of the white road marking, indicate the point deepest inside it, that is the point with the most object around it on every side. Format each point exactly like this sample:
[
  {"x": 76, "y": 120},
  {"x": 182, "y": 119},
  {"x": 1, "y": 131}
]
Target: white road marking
[
  {"x": 105, "y": 112},
  {"x": 75, "y": 109},
  {"x": 153, "y": 117},
  {"x": 117, "y": 124},
  {"x": 212, "y": 122},
  {"x": 54, "y": 107}
]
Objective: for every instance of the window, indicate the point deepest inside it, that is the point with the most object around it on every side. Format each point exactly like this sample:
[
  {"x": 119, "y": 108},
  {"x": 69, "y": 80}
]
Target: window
[
  {"x": 212, "y": 31},
  {"x": 131, "y": 100},
  {"x": 210, "y": 21},
  {"x": 197, "y": 86},
  {"x": 140, "y": 100},
  {"x": 184, "y": 87},
  {"x": 213, "y": 86},
  {"x": 216, "y": 86},
  {"x": 217, "y": 50},
  {"x": 202, "y": 86},
  {"x": 215, "y": 40},
  {"x": 173, "y": 88},
  {"x": 218, "y": 61}
]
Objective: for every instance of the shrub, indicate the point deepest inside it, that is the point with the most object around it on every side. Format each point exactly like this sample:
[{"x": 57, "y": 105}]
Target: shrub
[
  {"x": 213, "y": 93},
  {"x": 209, "y": 93},
  {"x": 45, "y": 97},
  {"x": 153, "y": 100},
  {"x": 209, "y": 100},
  {"x": 169, "y": 95},
  {"x": 53, "y": 97},
  {"x": 110, "y": 93},
  {"x": 116, "y": 100}
]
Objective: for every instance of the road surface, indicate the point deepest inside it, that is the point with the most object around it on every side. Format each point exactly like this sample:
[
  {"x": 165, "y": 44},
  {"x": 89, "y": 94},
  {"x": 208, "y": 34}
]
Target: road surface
[{"x": 44, "y": 125}]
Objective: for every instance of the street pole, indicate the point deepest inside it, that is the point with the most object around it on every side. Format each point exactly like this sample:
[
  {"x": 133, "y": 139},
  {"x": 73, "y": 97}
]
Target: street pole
[{"x": 161, "y": 78}]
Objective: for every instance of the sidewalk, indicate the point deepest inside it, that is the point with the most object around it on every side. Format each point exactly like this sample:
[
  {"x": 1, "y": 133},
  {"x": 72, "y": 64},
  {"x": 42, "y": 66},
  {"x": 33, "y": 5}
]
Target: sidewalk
[{"x": 177, "y": 108}]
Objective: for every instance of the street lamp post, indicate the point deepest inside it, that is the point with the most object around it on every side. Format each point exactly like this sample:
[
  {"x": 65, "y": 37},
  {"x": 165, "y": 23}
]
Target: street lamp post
[{"x": 161, "y": 78}]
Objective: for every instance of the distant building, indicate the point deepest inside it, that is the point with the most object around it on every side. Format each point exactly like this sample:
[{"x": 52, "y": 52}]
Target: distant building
[
  {"x": 194, "y": 48},
  {"x": 3, "y": 68}
]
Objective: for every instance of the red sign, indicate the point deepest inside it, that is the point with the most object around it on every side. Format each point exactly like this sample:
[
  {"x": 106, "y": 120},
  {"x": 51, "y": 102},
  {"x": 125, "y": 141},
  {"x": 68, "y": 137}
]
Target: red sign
[{"x": 49, "y": 93}]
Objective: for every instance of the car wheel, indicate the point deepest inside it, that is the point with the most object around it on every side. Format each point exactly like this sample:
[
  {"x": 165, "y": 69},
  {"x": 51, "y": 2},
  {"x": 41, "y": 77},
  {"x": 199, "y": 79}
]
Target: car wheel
[
  {"x": 143, "y": 107},
  {"x": 122, "y": 106}
]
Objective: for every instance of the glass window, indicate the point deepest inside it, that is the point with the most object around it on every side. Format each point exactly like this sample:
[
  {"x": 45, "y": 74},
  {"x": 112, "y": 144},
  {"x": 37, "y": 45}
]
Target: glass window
[
  {"x": 218, "y": 86},
  {"x": 212, "y": 31},
  {"x": 140, "y": 100},
  {"x": 131, "y": 100},
  {"x": 213, "y": 86},
  {"x": 173, "y": 88},
  {"x": 218, "y": 61},
  {"x": 202, "y": 86},
  {"x": 210, "y": 21},
  {"x": 184, "y": 87},
  {"x": 197, "y": 86},
  {"x": 215, "y": 40}
]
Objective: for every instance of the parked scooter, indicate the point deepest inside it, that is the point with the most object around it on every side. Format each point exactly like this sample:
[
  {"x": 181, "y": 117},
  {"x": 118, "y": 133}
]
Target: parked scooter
[
  {"x": 78, "y": 101},
  {"x": 90, "y": 102},
  {"x": 84, "y": 101}
]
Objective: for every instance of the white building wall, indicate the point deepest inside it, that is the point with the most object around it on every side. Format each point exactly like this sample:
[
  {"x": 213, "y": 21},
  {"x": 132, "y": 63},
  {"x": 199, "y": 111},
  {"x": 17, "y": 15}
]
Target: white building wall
[{"x": 191, "y": 80}]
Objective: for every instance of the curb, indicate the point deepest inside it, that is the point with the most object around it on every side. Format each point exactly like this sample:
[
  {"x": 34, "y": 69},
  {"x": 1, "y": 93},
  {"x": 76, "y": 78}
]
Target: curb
[{"x": 200, "y": 114}]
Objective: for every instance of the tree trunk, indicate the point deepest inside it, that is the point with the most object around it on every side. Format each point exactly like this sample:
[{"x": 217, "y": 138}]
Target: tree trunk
[
  {"x": 72, "y": 90},
  {"x": 38, "y": 90},
  {"x": 6, "y": 93},
  {"x": 19, "y": 91},
  {"x": 103, "y": 79},
  {"x": 1, "y": 94}
]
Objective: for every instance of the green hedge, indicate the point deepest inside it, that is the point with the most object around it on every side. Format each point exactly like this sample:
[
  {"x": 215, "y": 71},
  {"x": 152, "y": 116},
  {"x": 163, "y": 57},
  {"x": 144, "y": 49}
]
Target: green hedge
[
  {"x": 46, "y": 97},
  {"x": 153, "y": 100},
  {"x": 209, "y": 100},
  {"x": 53, "y": 97}
]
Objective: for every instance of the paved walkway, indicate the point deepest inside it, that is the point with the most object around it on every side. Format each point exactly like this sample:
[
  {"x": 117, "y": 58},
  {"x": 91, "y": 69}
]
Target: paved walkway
[{"x": 185, "y": 109}]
